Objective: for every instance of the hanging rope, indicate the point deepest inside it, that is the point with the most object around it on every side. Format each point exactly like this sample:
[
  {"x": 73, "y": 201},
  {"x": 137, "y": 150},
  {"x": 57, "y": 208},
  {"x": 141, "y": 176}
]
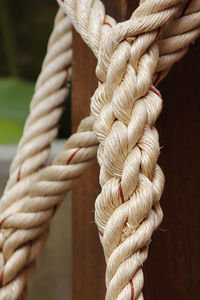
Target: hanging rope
[
  {"x": 125, "y": 107},
  {"x": 45, "y": 110}
]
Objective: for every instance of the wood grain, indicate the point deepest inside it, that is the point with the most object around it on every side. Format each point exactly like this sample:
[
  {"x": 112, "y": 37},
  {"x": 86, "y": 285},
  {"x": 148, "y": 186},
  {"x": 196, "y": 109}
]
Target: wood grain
[{"x": 172, "y": 269}]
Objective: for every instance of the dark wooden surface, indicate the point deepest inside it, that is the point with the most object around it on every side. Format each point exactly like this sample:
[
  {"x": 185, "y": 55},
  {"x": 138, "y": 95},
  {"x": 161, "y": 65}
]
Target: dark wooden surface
[
  {"x": 87, "y": 256},
  {"x": 172, "y": 269}
]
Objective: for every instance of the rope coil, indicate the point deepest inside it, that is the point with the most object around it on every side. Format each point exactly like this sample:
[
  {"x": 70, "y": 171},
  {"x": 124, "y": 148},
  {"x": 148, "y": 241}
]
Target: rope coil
[{"x": 133, "y": 56}]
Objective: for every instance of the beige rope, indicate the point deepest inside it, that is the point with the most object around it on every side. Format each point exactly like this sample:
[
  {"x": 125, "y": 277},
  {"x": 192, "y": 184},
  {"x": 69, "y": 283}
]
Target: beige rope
[
  {"x": 31, "y": 217},
  {"x": 33, "y": 150},
  {"x": 119, "y": 127},
  {"x": 46, "y": 107},
  {"x": 177, "y": 37},
  {"x": 125, "y": 107},
  {"x": 55, "y": 181}
]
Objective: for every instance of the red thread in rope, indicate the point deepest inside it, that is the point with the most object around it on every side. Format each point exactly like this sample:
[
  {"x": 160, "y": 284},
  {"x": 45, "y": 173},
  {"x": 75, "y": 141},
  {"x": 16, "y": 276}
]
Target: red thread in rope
[
  {"x": 70, "y": 158},
  {"x": 132, "y": 290},
  {"x": 121, "y": 193},
  {"x": 4, "y": 219},
  {"x": 155, "y": 91},
  {"x": 100, "y": 232},
  {"x": 140, "y": 149},
  {"x": 19, "y": 175},
  {"x": 66, "y": 79},
  {"x": 107, "y": 23},
  {"x": 1, "y": 278}
]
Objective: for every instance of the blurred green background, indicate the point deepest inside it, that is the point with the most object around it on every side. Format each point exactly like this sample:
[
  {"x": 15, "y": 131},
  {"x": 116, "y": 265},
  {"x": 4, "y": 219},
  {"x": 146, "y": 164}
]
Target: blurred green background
[{"x": 25, "y": 27}]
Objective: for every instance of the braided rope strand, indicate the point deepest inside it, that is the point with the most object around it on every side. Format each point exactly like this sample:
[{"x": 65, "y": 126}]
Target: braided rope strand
[
  {"x": 33, "y": 150},
  {"x": 129, "y": 126},
  {"x": 45, "y": 110},
  {"x": 180, "y": 32},
  {"x": 112, "y": 106},
  {"x": 176, "y": 38},
  {"x": 32, "y": 222}
]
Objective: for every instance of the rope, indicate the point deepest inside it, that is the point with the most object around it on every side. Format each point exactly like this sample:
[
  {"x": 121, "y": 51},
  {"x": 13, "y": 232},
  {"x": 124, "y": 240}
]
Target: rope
[
  {"x": 31, "y": 216},
  {"x": 125, "y": 107},
  {"x": 45, "y": 110},
  {"x": 32, "y": 153},
  {"x": 177, "y": 37}
]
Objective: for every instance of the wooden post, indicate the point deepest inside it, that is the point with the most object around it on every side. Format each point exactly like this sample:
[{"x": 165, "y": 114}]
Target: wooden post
[{"x": 171, "y": 271}]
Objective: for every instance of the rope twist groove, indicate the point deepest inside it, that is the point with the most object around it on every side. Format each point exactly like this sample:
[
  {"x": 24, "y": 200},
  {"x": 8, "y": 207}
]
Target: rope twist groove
[{"x": 133, "y": 56}]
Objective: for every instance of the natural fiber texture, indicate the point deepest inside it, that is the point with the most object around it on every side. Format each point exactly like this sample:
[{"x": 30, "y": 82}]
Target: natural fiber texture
[
  {"x": 125, "y": 108},
  {"x": 32, "y": 153},
  {"x": 45, "y": 110},
  {"x": 26, "y": 208},
  {"x": 176, "y": 38}
]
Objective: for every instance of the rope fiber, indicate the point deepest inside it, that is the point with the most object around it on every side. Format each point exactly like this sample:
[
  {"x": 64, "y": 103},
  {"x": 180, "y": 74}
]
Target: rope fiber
[{"x": 132, "y": 58}]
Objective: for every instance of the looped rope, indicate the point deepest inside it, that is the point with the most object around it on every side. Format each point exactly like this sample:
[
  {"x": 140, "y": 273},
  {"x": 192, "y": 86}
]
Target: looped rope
[{"x": 132, "y": 55}]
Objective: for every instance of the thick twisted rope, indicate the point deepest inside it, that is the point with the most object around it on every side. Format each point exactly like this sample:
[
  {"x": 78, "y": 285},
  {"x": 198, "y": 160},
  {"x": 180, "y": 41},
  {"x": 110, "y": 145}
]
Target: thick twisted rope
[
  {"x": 126, "y": 107},
  {"x": 23, "y": 245},
  {"x": 31, "y": 216},
  {"x": 121, "y": 125},
  {"x": 176, "y": 38},
  {"x": 54, "y": 174},
  {"x": 39, "y": 131},
  {"x": 45, "y": 110}
]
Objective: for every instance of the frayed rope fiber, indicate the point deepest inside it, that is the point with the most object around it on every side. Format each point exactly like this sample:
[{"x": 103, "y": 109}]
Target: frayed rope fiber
[{"x": 132, "y": 58}]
